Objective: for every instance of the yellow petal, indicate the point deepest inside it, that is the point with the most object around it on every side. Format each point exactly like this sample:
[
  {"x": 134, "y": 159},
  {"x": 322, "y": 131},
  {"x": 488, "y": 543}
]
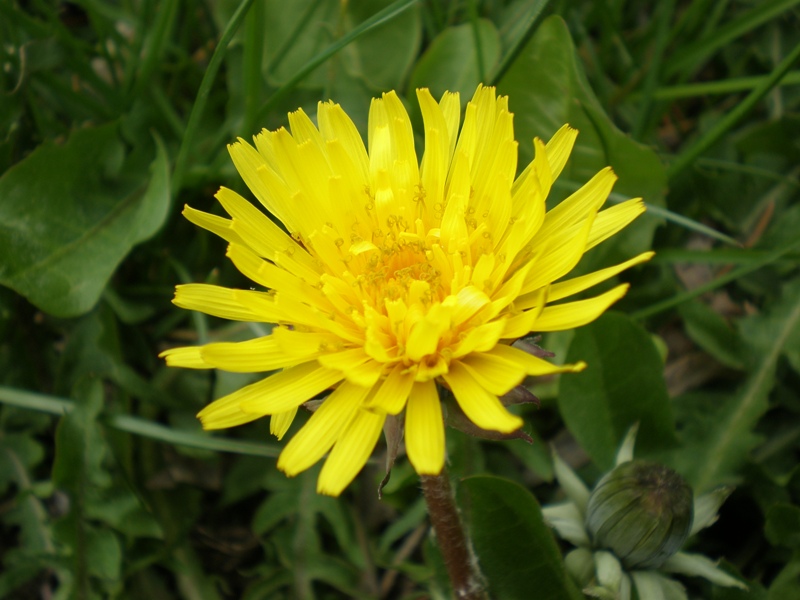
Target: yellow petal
[
  {"x": 436, "y": 159},
  {"x": 480, "y": 338},
  {"x": 531, "y": 365},
  {"x": 523, "y": 323},
  {"x": 365, "y": 375},
  {"x": 612, "y": 220},
  {"x": 344, "y": 360},
  {"x": 217, "y": 225},
  {"x": 322, "y": 429},
  {"x": 426, "y": 332},
  {"x": 252, "y": 356},
  {"x": 424, "y": 429},
  {"x": 250, "y": 164},
  {"x": 221, "y": 302},
  {"x": 282, "y": 391},
  {"x": 334, "y": 124},
  {"x": 559, "y": 148},
  {"x": 270, "y": 276},
  {"x": 585, "y": 201},
  {"x": 304, "y": 343},
  {"x": 350, "y": 453},
  {"x": 576, "y": 314},
  {"x": 560, "y": 257},
  {"x": 394, "y": 390},
  {"x": 495, "y": 374},
  {"x": 451, "y": 110},
  {"x": 481, "y": 407},
  {"x": 258, "y": 231},
  {"x": 279, "y": 423},
  {"x": 578, "y": 284},
  {"x": 187, "y": 357}
]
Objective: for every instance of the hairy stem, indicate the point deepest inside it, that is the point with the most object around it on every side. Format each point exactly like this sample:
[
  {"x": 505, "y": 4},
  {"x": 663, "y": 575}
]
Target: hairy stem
[{"x": 462, "y": 566}]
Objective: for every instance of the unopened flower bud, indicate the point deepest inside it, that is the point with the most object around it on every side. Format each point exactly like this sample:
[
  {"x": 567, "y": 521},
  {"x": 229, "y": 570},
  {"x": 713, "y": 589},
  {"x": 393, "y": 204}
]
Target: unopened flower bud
[{"x": 642, "y": 511}]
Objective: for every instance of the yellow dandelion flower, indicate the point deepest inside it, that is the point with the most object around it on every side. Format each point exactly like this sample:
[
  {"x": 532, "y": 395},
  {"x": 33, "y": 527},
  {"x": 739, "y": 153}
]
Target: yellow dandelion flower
[{"x": 397, "y": 275}]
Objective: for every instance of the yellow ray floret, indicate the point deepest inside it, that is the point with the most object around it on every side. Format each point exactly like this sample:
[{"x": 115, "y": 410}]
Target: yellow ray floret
[{"x": 395, "y": 276}]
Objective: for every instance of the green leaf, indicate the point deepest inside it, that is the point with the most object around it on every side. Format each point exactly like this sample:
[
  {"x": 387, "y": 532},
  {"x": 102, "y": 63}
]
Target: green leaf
[
  {"x": 383, "y": 56},
  {"x": 516, "y": 550},
  {"x": 712, "y": 454},
  {"x": 70, "y": 214},
  {"x": 20, "y": 452},
  {"x": 623, "y": 384},
  {"x": 787, "y": 584},
  {"x": 103, "y": 553},
  {"x": 299, "y": 31},
  {"x": 709, "y": 330},
  {"x": 451, "y": 61},
  {"x": 783, "y": 525},
  {"x": 547, "y": 87}
]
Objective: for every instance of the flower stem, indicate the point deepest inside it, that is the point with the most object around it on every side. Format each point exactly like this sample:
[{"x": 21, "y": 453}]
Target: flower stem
[{"x": 462, "y": 566}]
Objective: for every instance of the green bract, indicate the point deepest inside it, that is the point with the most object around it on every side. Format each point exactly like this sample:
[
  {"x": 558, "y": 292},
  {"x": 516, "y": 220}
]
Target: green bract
[
  {"x": 642, "y": 511},
  {"x": 628, "y": 531}
]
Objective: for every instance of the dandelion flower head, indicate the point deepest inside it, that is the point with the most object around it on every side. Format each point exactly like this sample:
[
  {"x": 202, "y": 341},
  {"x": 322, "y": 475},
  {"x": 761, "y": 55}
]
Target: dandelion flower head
[{"x": 397, "y": 276}]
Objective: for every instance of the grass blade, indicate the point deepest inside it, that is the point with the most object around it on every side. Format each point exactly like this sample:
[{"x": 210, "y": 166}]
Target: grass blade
[
  {"x": 202, "y": 94},
  {"x": 669, "y": 303},
  {"x": 138, "y": 426},
  {"x": 728, "y": 121}
]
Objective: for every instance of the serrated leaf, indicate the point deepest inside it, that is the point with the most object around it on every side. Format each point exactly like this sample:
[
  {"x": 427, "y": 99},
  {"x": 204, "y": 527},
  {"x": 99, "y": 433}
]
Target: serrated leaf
[
  {"x": 547, "y": 87},
  {"x": 622, "y": 385},
  {"x": 711, "y": 455},
  {"x": 516, "y": 550},
  {"x": 69, "y": 213}
]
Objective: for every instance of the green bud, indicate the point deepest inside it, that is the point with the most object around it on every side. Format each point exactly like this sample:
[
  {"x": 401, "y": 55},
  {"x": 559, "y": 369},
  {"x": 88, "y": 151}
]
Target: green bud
[{"x": 642, "y": 511}]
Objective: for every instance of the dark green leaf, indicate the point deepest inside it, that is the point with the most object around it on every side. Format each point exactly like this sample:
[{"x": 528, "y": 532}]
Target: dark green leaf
[
  {"x": 104, "y": 554},
  {"x": 70, "y": 213},
  {"x": 20, "y": 453},
  {"x": 451, "y": 61},
  {"x": 298, "y": 31},
  {"x": 783, "y": 525},
  {"x": 622, "y": 385},
  {"x": 516, "y": 550},
  {"x": 711, "y": 455}
]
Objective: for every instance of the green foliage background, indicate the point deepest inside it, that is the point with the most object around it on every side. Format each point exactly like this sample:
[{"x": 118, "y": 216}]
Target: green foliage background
[{"x": 115, "y": 114}]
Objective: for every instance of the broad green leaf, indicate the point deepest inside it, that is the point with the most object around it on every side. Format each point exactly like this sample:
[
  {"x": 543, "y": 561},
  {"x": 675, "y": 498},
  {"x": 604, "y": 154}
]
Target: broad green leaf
[
  {"x": 516, "y": 21},
  {"x": 71, "y": 212},
  {"x": 547, "y": 88},
  {"x": 712, "y": 454},
  {"x": 516, "y": 550},
  {"x": 783, "y": 525},
  {"x": 622, "y": 385},
  {"x": 297, "y": 31},
  {"x": 383, "y": 56},
  {"x": 451, "y": 61}
]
